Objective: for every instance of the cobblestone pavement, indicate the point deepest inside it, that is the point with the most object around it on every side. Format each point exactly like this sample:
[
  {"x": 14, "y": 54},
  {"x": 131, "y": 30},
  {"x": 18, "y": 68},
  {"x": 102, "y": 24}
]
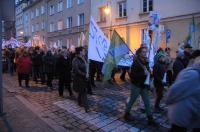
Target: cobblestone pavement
[{"x": 107, "y": 104}]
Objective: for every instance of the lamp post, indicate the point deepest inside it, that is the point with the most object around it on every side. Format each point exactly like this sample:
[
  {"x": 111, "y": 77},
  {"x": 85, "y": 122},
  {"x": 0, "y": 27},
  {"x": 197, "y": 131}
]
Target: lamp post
[{"x": 109, "y": 11}]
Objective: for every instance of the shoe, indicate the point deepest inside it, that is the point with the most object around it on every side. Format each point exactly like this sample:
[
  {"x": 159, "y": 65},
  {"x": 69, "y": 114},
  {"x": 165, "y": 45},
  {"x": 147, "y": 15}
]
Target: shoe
[
  {"x": 151, "y": 121},
  {"x": 87, "y": 110},
  {"x": 128, "y": 117}
]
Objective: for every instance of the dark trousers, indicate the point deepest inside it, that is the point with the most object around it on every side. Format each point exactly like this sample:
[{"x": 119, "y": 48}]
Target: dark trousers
[
  {"x": 23, "y": 76},
  {"x": 82, "y": 99},
  {"x": 99, "y": 66},
  {"x": 176, "y": 128},
  {"x": 63, "y": 82},
  {"x": 49, "y": 78},
  {"x": 159, "y": 93},
  {"x": 169, "y": 77},
  {"x": 37, "y": 71}
]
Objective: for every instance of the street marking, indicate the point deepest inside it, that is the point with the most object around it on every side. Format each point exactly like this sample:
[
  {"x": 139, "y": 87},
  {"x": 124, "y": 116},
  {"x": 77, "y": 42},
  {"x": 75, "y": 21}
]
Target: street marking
[{"x": 97, "y": 119}]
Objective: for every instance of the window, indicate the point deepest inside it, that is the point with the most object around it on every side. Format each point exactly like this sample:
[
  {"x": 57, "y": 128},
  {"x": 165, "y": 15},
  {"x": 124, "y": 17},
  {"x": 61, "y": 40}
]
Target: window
[
  {"x": 26, "y": 30},
  {"x": 37, "y": 27},
  {"x": 80, "y": 19},
  {"x": 43, "y": 39},
  {"x": 60, "y": 6},
  {"x": 102, "y": 15},
  {"x": 60, "y": 25},
  {"x": 59, "y": 43},
  {"x": 51, "y": 27},
  {"x": 81, "y": 1},
  {"x": 69, "y": 42},
  {"x": 43, "y": 25},
  {"x": 69, "y": 3},
  {"x": 26, "y": 17},
  {"x": 122, "y": 9},
  {"x": 69, "y": 22},
  {"x": 37, "y": 12},
  {"x": 52, "y": 10},
  {"x": 32, "y": 28},
  {"x": 143, "y": 35},
  {"x": 42, "y": 9},
  {"x": 51, "y": 43},
  {"x": 32, "y": 14},
  {"x": 147, "y": 5}
]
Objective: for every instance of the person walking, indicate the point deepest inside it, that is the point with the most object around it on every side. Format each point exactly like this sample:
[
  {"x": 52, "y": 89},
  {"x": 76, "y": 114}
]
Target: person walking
[
  {"x": 23, "y": 68},
  {"x": 183, "y": 98},
  {"x": 81, "y": 75},
  {"x": 139, "y": 72},
  {"x": 63, "y": 69}
]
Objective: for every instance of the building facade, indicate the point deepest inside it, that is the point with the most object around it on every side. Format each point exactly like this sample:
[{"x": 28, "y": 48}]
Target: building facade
[
  {"x": 19, "y": 25},
  {"x": 66, "y": 19},
  {"x": 130, "y": 18}
]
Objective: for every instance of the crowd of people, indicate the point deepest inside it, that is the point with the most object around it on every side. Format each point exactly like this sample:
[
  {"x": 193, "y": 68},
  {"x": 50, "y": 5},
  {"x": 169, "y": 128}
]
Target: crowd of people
[{"x": 182, "y": 77}]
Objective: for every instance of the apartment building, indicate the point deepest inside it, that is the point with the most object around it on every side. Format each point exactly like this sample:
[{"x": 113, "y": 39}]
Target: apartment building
[
  {"x": 66, "y": 19},
  {"x": 35, "y": 20},
  {"x": 130, "y": 18},
  {"x": 20, "y": 36}
]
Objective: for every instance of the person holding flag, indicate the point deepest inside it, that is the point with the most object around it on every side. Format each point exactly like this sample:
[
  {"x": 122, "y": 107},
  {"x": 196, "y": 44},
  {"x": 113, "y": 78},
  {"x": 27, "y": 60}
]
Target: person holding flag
[{"x": 139, "y": 73}]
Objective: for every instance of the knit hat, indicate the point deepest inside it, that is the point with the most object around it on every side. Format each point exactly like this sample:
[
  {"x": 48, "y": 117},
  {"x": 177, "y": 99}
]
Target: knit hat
[
  {"x": 187, "y": 46},
  {"x": 160, "y": 55}
]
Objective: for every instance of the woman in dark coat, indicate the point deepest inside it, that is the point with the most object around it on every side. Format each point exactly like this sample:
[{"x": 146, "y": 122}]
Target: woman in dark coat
[
  {"x": 63, "y": 68},
  {"x": 23, "y": 68},
  {"x": 80, "y": 68}
]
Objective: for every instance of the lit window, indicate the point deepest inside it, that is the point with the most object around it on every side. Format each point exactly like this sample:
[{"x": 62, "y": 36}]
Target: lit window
[
  {"x": 60, "y": 25},
  {"x": 102, "y": 14},
  {"x": 122, "y": 9}
]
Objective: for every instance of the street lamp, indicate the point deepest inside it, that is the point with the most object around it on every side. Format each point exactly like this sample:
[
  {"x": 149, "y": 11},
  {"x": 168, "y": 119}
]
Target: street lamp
[{"x": 109, "y": 11}]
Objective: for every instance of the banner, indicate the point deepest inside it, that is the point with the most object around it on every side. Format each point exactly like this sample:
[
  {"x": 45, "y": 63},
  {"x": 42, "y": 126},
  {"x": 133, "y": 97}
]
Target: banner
[
  {"x": 154, "y": 20},
  {"x": 36, "y": 37},
  {"x": 127, "y": 60},
  {"x": 98, "y": 43}
]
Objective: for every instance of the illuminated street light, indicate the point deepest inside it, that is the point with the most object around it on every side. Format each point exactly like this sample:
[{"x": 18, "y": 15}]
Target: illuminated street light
[{"x": 109, "y": 11}]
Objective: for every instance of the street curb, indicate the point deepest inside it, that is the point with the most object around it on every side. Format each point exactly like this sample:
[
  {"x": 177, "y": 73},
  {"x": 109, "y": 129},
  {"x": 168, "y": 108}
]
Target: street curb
[{"x": 55, "y": 126}]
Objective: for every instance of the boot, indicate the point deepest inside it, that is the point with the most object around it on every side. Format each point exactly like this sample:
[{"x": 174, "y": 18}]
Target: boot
[
  {"x": 151, "y": 121},
  {"x": 128, "y": 116}
]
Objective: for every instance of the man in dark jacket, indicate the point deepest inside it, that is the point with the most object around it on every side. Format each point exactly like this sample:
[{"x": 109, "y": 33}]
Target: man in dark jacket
[
  {"x": 63, "y": 68},
  {"x": 159, "y": 71},
  {"x": 178, "y": 64}
]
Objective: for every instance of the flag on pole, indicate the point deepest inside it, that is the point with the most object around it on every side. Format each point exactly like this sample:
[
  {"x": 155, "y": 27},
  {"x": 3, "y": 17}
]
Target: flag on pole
[
  {"x": 146, "y": 39},
  {"x": 116, "y": 52},
  {"x": 190, "y": 35}
]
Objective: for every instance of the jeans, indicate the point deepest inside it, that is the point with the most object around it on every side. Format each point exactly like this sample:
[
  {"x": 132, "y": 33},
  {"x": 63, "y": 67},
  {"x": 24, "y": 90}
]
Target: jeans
[{"x": 135, "y": 92}]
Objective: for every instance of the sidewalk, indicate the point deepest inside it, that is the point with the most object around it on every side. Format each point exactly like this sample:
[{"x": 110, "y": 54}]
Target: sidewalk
[
  {"x": 18, "y": 117},
  {"x": 39, "y": 109}
]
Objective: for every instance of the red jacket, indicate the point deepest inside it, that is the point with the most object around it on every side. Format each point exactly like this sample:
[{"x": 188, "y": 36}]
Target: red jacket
[{"x": 23, "y": 64}]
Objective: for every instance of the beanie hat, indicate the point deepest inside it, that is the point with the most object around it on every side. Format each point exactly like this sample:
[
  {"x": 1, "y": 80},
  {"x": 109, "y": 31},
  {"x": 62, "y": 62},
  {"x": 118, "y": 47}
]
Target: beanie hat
[{"x": 160, "y": 54}]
